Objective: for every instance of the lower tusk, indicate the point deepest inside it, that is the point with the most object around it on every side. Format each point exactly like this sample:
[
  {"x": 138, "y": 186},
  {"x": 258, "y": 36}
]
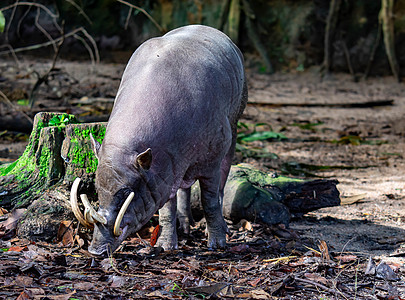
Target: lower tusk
[
  {"x": 90, "y": 213},
  {"x": 75, "y": 206},
  {"x": 122, "y": 213}
]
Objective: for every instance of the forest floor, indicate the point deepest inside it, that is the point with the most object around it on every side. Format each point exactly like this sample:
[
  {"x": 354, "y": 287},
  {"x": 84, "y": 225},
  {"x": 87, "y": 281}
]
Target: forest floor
[{"x": 334, "y": 127}]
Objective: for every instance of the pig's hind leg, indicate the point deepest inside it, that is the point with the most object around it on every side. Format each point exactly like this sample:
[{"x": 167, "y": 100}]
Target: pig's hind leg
[{"x": 184, "y": 210}]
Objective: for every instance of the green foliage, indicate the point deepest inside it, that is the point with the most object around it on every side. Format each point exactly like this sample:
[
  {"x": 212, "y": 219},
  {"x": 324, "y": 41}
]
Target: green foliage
[
  {"x": 23, "y": 102},
  {"x": 246, "y": 135},
  {"x": 60, "y": 120},
  {"x": 2, "y": 22}
]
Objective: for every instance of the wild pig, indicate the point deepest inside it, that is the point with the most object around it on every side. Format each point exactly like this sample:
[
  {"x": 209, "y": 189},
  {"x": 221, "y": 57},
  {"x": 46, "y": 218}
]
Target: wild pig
[{"x": 173, "y": 122}]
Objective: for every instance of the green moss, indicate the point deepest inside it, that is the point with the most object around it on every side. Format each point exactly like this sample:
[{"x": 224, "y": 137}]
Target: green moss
[
  {"x": 264, "y": 179},
  {"x": 44, "y": 161},
  {"x": 26, "y": 165},
  {"x": 82, "y": 155}
]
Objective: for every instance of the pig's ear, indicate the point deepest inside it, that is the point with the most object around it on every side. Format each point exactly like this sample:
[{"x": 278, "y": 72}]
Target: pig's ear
[
  {"x": 96, "y": 145},
  {"x": 144, "y": 159}
]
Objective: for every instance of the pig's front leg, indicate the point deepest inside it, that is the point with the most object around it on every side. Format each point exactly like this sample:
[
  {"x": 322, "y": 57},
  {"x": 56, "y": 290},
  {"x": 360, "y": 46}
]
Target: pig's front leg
[
  {"x": 167, "y": 220},
  {"x": 184, "y": 210},
  {"x": 212, "y": 206}
]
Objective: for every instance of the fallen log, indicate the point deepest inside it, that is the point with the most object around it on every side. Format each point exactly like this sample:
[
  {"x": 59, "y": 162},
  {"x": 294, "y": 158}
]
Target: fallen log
[
  {"x": 271, "y": 199},
  {"x": 59, "y": 150}
]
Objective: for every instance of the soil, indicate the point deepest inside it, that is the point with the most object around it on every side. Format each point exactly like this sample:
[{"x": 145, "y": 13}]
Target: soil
[{"x": 333, "y": 130}]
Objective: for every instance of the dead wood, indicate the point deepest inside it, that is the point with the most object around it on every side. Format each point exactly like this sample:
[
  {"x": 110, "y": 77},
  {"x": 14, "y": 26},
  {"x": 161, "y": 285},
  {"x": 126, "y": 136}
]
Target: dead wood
[
  {"x": 365, "y": 104},
  {"x": 259, "y": 197}
]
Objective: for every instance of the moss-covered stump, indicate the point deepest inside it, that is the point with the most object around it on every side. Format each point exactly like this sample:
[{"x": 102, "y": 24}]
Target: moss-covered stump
[
  {"x": 40, "y": 166},
  {"x": 254, "y": 195},
  {"x": 59, "y": 150}
]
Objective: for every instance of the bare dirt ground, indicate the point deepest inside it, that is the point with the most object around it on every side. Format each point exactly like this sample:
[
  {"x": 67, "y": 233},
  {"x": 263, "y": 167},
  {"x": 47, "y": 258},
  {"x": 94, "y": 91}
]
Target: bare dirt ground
[{"x": 329, "y": 122}]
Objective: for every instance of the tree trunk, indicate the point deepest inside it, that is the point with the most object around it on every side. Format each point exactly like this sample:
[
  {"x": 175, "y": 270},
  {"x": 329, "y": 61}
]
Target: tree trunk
[
  {"x": 331, "y": 22},
  {"x": 386, "y": 15}
]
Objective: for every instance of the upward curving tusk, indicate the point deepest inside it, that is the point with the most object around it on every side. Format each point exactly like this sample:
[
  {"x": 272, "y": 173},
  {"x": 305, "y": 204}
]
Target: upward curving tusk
[
  {"x": 122, "y": 213},
  {"x": 75, "y": 206},
  {"x": 90, "y": 213}
]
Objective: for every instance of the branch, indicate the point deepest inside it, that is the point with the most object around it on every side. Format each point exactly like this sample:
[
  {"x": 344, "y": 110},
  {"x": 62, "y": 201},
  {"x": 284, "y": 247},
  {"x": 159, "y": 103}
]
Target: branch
[
  {"x": 162, "y": 30},
  {"x": 13, "y": 107},
  {"x": 46, "y": 44},
  {"x": 44, "y": 78},
  {"x": 74, "y": 4},
  {"x": 31, "y": 4},
  {"x": 48, "y": 36}
]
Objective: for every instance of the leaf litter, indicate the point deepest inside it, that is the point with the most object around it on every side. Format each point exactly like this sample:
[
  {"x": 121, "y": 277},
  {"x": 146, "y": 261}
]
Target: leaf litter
[{"x": 260, "y": 263}]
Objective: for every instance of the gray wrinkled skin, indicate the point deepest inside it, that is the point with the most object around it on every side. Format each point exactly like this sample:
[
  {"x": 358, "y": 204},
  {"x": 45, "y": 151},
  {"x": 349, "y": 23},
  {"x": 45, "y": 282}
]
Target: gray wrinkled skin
[{"x": 181, "y": 96}]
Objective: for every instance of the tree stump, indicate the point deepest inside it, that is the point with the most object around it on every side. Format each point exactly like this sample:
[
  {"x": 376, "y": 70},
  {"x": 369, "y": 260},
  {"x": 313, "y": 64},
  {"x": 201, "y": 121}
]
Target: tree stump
[{"x": 58, "y": 151}]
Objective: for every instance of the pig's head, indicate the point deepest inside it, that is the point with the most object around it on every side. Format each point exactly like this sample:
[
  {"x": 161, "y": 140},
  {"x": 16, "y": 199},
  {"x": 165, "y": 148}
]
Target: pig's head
[{"x": 124, "y": 199}]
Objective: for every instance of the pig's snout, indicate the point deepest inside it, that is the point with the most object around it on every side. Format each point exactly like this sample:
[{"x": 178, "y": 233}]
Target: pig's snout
[{"x": 103, "y": 243}]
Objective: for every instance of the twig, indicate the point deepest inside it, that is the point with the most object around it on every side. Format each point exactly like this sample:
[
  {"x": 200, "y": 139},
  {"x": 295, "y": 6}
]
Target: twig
[
  {"x": 11, "y": 50},
  {"x": 347, "y": 56},
  {"x": 10, "y": 21},
  {"x": 21, "y": 20},
  {"x": 128, "y": 17},
  {"x": 323, "y": 287},
  {"x": 162, "y": 30},
  {"x": 79, "y": 38},
  {"x": 13, "y": 107},
  {"x": 31, "y": 4},
  {"x": 373, "y": 51},
  {"x": 93, "y": 42},
  {"x": 55, "y": 48},
  {"x": 44, "y": 78},
  {"x": 74, "y": 4},
  {"x": 46, "y": 44}
]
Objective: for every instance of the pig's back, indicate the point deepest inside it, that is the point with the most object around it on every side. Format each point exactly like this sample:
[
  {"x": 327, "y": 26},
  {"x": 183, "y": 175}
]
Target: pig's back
[{"x": 180, "y": 85}]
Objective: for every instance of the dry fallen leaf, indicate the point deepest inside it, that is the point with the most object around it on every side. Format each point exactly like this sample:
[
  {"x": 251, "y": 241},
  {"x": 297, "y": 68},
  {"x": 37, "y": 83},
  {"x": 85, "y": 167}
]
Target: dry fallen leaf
[
  {"x": 25, "y": 295},
  {"x": 260, "y": 294},
  {"x": 65, "y": 233},
  {"x": 316, "y": 278},
  {"x": 10, "y": 224},
  {"x": 155, "y": 235},
  {"x": 3, "y": 211},
  {"x": 346, "y": 258},
  {"x": 324, "y": 250}
]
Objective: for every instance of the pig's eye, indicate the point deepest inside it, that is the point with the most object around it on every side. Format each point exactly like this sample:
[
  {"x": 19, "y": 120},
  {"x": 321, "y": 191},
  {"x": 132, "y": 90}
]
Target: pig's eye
[{"x": 121, "y": 195}]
